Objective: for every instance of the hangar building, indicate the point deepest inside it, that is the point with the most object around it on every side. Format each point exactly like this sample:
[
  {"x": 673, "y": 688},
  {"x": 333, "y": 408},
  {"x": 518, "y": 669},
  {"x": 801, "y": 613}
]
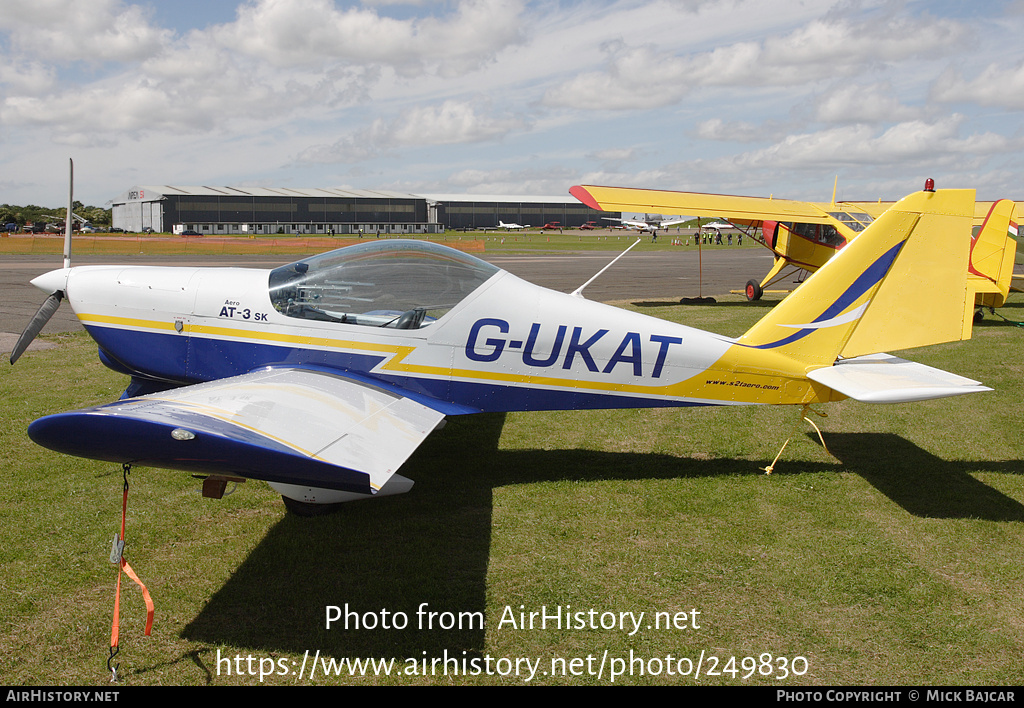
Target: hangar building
[{"x": 234, "y": 210}]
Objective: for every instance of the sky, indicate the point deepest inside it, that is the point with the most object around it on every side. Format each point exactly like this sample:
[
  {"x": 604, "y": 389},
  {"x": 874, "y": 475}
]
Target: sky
[{"x": 513, "y": 97}]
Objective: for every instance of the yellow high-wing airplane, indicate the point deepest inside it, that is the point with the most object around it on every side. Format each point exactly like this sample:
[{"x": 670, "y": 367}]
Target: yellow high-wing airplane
[{"x": 806, "y": 235}]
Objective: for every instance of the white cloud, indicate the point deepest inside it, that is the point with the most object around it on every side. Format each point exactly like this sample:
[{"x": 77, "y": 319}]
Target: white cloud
[
  {"x": 854, "y": 103},
  {"x": 739, "y": 131},
  {"x": 129, "y": 107},
  {"x": 32, "y": 78},
  {"x": 612, "y": 155},
  {"x": 641, "y": 77},
  {"x": 452, "y": 122},
  {"x": 466, "y": 92},
  {"x": 846, "y": 45},
  {"x": 636, "y": 78},
  {"x": 279, "y": 59},
  {"x": 82, "y": 30},
  {"x": 290, "y": 33},
  {"x": 995, "y": 86},
  {"x": 913, "y": 142},
  {"x": 556, "y": 180}
]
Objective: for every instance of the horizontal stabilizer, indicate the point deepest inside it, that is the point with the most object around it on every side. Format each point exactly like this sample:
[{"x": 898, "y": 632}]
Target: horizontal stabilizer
[
  {"x": 882, "y": 378},
  {"x": 293, "y": 426}
]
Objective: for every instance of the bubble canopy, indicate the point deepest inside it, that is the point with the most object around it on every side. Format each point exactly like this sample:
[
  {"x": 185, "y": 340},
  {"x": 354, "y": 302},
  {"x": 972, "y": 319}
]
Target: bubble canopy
[{"x": 392, "y": 283}]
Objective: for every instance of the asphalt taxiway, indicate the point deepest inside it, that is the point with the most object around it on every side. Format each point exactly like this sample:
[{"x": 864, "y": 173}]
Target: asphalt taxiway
[{"x": 668, "y": 275}]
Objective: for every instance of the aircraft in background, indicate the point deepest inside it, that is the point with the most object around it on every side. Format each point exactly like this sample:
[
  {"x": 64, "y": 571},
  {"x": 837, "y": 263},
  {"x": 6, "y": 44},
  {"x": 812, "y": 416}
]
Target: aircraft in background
[
  {"x": 806, "y": 235},
  {"x": 322, "y": 376},
  {"x": 717, "y": 226},
  {"x": 650, "y": 223},
  {"x": 511, "y": 227},
  {"x": 551, "y": 226}
]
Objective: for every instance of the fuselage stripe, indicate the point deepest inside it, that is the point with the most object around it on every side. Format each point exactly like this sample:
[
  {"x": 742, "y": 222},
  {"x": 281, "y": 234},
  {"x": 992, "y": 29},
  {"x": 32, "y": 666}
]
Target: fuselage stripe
[
  {"x": 871, "y": 276},
  {"x": 395, "y": 364}
]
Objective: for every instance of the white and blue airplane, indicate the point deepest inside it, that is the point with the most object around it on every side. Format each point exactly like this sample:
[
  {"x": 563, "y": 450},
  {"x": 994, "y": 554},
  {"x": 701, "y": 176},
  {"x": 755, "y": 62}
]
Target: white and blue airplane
[
  {"x": 323, "y": 376},
  {"x": 649, "y": 223}
]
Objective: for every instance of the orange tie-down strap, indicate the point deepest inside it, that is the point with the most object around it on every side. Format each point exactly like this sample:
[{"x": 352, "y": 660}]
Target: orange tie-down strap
[
  {"x": 119, "y": 559},
  {"x": 117, "y": 603}
]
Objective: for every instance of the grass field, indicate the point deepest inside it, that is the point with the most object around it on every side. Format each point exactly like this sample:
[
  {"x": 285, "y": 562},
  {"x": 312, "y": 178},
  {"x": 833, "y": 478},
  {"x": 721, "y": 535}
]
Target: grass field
[
  {"x": 898, "y": 559},
  {"x": 473, "y": 241}
]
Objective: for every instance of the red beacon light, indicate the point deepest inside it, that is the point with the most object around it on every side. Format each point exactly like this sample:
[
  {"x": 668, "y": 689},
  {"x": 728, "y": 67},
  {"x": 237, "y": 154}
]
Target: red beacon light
[{"x": 929, "y": 185}]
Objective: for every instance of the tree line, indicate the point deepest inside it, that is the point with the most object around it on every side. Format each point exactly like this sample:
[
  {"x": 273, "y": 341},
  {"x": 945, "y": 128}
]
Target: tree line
[{"x": 32, "y": 214}]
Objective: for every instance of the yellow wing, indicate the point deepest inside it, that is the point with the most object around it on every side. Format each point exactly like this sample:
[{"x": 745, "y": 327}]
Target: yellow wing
[
  {"x": 697, "y": 204},
  {"x": 992, "y": 255},
  {"x": 840, "y": 222}
]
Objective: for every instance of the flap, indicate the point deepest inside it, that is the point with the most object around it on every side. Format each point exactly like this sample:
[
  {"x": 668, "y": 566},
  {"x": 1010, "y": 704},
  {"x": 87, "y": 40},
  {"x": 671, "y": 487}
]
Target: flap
[{"x": 883, "y": 378}]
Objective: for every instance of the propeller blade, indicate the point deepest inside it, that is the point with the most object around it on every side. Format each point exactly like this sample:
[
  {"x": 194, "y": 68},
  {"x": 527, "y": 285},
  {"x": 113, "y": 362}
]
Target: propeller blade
[{"x": 36, "y": 324}]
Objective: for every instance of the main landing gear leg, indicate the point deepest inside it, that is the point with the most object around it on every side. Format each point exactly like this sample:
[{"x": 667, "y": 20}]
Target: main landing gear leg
[{"x": 803, "y": 416}]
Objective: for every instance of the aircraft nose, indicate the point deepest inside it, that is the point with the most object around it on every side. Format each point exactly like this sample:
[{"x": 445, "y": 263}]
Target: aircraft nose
[{"x": 53, "y": 281}]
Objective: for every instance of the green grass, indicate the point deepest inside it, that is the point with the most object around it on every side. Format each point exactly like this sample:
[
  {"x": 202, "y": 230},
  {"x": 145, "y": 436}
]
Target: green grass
[
  {"x": 575, "y": 240},
  {"x": 532, "y": 241},
  {"x": 898, "y": 561}
]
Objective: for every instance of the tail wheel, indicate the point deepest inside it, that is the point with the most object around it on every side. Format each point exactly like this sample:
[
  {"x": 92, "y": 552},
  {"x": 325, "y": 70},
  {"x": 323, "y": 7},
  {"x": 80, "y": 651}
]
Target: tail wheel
[{"x": 753, "y": 290}]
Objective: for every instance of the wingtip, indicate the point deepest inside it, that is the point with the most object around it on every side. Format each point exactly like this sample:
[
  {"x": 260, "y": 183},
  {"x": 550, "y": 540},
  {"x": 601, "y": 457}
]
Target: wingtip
[{"x": 585, "y": 196}]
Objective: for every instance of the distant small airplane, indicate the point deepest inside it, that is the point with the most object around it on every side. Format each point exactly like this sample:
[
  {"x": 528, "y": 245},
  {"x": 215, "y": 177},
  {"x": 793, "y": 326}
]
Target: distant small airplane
[
  {"x": 511, "y": 227},
  {"x": 651, "y": 223},
  {"x": 551, "y": 226},
  {"x": 589, "y": 226},
  {"x": 717, "y": 226},
  {"x": 324, "y": 375},
  {"x": 805, "y": 235}
]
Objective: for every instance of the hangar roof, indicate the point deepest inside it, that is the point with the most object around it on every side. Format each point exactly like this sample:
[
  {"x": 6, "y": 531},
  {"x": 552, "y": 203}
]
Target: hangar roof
[
  {"x": 567, "y": 199},
  {"x": 153, "y": 192},
  {"x": 156, "y": 192}
]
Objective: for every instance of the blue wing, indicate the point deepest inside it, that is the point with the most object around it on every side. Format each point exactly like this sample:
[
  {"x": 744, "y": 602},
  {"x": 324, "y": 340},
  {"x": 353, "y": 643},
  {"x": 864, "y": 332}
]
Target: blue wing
[{"x": 291, "y": 426}]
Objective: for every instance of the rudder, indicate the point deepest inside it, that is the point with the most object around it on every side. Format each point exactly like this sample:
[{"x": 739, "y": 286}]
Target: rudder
[
  {"x": 901, "y": 283},
  {"x": 992, "y": 255}
]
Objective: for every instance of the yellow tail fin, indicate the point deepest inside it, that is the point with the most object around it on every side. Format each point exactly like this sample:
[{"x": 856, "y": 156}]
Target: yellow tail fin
[
  {"x": 902, "y": 283},
  {"x": 992, "y": 255}
]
